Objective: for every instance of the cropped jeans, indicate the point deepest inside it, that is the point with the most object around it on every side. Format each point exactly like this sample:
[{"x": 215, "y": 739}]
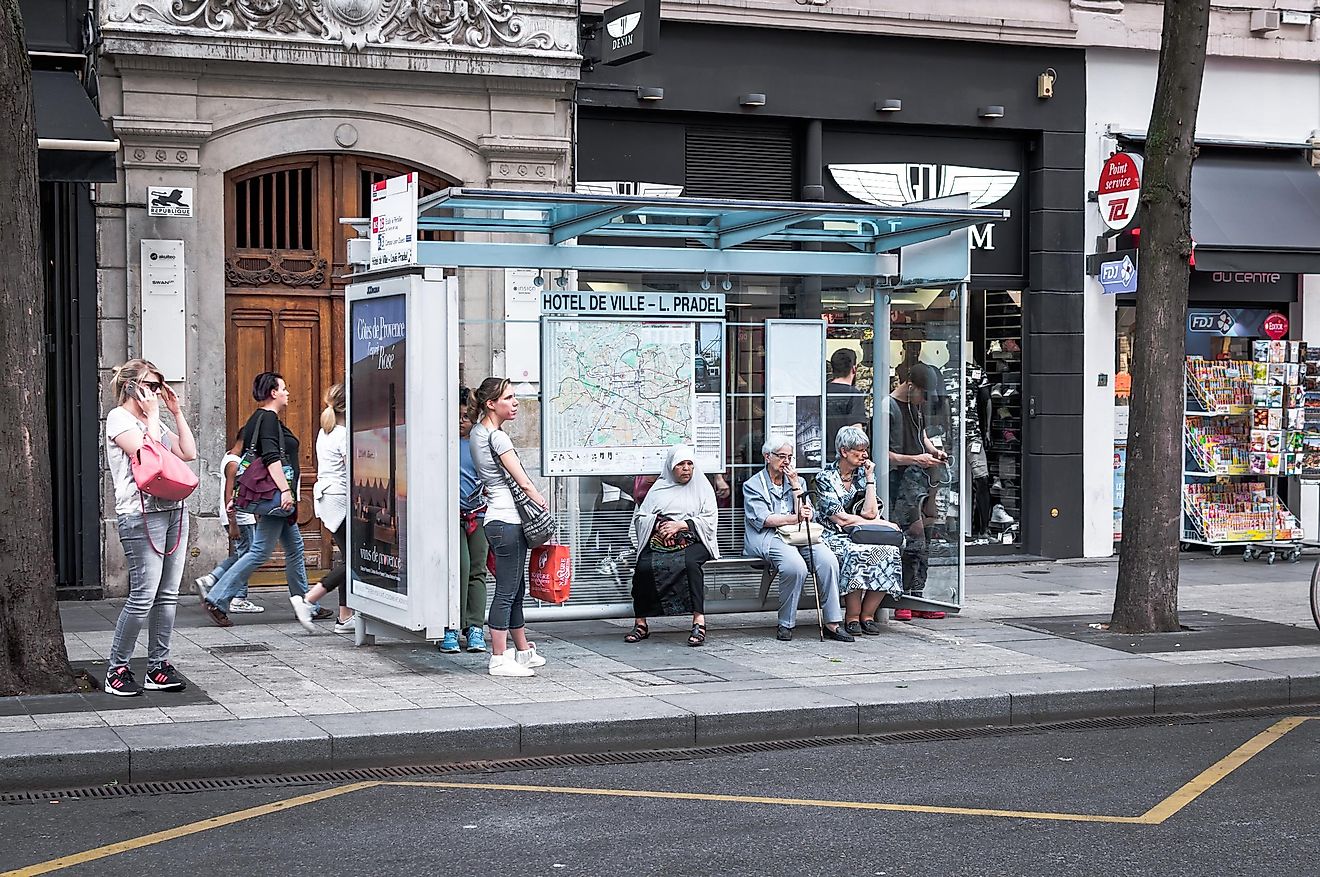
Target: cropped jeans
[
  {"x": 510, "y": 547},
  {"x": 269, "y": 529},
  {"x": 153, "y": 583}
]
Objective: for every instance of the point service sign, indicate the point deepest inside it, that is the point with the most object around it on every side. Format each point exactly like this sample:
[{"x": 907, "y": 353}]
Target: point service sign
[{"x": 1118, "y": 190}]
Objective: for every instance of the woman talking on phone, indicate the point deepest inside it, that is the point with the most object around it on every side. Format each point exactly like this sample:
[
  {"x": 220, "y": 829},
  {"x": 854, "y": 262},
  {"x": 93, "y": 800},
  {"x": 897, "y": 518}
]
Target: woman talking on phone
[
  {"x": 277, "y": 521},
  {"x": 151, "y": 530}
]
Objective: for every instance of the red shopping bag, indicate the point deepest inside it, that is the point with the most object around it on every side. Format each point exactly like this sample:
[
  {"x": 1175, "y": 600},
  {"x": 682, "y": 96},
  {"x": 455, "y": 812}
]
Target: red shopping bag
[{"x": 550, "y": 573}]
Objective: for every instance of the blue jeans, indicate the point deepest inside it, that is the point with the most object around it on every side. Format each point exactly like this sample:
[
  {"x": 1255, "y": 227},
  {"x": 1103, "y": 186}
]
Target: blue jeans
[
  {"x": 510, "y": 547},
  {"x": 268, "y": 530},
  {"x": 153, "y": 583},
  {"x": 241, "y": 546}
]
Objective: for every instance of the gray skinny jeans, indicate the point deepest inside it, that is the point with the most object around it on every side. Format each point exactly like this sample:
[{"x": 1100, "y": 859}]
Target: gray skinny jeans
[{"x": 153, "y": 583}]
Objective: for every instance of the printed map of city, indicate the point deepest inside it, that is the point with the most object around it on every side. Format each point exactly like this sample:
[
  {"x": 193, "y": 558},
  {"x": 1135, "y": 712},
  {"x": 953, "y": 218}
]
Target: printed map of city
[{"x": 618, "y": 394}]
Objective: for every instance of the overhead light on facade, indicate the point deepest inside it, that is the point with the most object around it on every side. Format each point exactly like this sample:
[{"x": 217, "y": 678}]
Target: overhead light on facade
[
  {"x": 991, "y": 112},
  {"x": 650, "y": 92},
  {"x": 751, "y": 100},
  {"x": 888, "y": 105}
]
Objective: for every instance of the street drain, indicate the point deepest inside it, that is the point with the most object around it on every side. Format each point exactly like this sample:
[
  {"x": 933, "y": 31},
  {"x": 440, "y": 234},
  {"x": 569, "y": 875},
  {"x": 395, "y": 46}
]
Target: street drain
[
  {"x": 605, "y": 759},
  {"x": 243, "y": 649}
]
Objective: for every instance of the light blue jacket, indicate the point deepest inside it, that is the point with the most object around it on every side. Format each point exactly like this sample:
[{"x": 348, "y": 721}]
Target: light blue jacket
[{"x": 761, "y": 499}]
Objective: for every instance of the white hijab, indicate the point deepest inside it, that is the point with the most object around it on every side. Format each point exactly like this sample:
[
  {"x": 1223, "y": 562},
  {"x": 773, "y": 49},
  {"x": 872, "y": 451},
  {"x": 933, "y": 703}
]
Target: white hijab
[{"x": 694, "y": 501}]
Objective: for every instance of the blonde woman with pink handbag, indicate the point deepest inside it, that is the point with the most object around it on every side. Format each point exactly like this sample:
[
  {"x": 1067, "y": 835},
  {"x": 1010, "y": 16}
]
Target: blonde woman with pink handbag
[{"x": 152, "y": 531}]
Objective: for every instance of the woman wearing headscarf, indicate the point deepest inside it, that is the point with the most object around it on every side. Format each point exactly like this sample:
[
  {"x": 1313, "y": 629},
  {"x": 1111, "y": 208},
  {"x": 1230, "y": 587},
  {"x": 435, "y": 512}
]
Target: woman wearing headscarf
[{"x": 674, "y": 530}]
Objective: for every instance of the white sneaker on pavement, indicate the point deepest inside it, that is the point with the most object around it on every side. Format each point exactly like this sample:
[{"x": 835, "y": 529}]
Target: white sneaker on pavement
[
  {"x": 303, "y": 610},
  {"x": 204, "y": 585},
  {"x": 239, "y": 604},
  {"x": 529, "y": 657},
  {"x": 507, "y": 665},
  {"x": 349, "y": 626}
]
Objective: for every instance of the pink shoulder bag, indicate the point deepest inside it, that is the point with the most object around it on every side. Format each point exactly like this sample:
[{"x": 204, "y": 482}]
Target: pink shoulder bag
[{"x": 159, "y": 473}]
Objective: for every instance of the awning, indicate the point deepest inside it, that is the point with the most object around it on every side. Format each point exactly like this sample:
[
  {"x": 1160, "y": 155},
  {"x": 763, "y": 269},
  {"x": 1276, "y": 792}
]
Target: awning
[
  {"x": 1256, "y": 212},
  {"x": 74, "y": 145}
]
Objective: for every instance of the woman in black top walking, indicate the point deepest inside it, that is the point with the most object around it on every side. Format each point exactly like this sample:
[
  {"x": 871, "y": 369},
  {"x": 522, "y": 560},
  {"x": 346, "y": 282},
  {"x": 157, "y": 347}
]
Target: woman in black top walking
[{"x": 277, "y": 519}]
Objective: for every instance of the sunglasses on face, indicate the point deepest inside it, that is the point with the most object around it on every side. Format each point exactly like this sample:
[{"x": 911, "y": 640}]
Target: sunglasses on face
[{"x": 153, "y": 386}]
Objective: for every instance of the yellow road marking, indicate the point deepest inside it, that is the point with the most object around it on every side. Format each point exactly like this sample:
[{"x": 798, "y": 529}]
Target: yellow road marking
[
  {"x": 1220, "y": 769},
  {"x": 147, "y": 840},
  {"x": 1154, "y": 816},
  {"x": 790, "y": 802}
]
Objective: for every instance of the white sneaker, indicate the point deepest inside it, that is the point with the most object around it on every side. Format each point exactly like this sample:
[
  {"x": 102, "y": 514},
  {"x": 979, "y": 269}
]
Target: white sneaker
[
  {"x": 349, "y": 626},
  {"x": 303, "y": 610},
  {"x": 204, "y": 585},
  {"x": 529, "y": 658},
  {"x": 241, "y": 605},
  {"x": 507, "y": 665},
  {"x": 998, "y": 515}
]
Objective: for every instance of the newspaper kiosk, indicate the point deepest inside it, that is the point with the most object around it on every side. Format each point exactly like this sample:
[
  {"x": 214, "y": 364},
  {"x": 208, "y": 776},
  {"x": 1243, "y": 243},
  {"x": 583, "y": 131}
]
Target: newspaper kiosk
[{"x": 402, "y": 331}]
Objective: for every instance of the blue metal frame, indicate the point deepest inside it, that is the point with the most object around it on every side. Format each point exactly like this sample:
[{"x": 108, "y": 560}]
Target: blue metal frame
[{"x": 856, "y": 237}]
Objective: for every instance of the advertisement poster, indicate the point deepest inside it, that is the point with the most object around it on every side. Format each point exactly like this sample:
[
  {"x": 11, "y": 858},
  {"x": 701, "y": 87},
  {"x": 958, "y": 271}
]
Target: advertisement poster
[{"x": 378, "y": 495}]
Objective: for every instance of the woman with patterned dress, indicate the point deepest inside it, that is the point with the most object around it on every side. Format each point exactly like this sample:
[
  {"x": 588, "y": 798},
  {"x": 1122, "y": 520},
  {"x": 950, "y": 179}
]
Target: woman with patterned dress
[
  {"x": 674, "y": 532},
  {"x": 845, "y": 497}
]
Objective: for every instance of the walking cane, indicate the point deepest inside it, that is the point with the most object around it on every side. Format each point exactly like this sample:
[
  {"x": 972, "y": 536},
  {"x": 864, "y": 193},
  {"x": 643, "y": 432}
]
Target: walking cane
[{"x": 811, "y": 565}]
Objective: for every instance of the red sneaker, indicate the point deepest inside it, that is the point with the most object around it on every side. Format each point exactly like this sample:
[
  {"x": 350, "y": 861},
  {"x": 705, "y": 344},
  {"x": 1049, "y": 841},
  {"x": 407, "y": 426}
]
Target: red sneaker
[
  {"x": 921, "y": 613},
  {"x": 902, "y": 614}
]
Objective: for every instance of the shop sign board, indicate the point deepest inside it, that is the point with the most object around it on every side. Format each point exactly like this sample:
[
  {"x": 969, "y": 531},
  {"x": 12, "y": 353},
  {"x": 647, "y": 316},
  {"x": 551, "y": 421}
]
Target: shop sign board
[
  {"x": 1118, "y": 190},
  {"x": 169, "y": 201},
  {"x": 1118, "y": 276},
  {"x": 1276, "y": 326},
  {"x": 394, "y": 222},
  {"x": 630, "y": 31},
  {"x": 678, "y": 305}
]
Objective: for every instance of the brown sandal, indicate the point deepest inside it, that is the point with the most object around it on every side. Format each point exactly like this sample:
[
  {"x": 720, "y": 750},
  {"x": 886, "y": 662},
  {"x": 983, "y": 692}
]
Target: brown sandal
[
  {"x": 637, "y": 634},
  {"x": 698, "y": 636}
]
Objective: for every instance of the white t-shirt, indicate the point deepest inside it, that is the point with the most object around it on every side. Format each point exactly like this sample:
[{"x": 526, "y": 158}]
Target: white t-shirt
[
  {"x": 243, "y": 519},
  {"x": 128, "y": 499},
  {"x": 499, "y": 501},
  {"x": 330, "y": 493}
]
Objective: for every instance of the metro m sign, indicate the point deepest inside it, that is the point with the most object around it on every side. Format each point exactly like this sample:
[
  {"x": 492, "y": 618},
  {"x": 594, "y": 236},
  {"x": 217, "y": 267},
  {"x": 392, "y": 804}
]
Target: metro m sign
[
  {"x": 1118, "y": 190},
  {"x": 630, "y": 31}
]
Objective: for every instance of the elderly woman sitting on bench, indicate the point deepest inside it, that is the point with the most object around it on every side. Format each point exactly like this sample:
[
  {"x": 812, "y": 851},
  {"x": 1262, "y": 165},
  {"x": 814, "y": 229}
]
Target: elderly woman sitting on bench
[{"x": 777, "y": 497}]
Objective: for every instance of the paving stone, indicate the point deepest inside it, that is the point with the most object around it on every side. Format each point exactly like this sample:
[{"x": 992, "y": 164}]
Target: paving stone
[
  {"x": 1196, "y": 688},
  {"x": 225, "y": 748},
  {"x": 936, "y": 703},
  {"x": 1303, "y": 676},
  {"x": 428, "y": 736},
  {"x": 62, "y": 759},
  {"x": 600, "y": 725},
  {"x": 1054, "y": 697},
  {"x": 780, "y": 714}
]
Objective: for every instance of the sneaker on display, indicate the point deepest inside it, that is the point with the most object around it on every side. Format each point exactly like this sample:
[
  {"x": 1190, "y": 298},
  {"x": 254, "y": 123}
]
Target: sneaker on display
[
  {"x": 529, "y": 657},
  {"x": 1011, "y": 346},
  {"x": 998, "y": 485},
  {"x": 120, "y": 683},
  {"x": 239, "y": 604},
  {"x": 449, "y": 645},
  {"x": 164, "y": 677},
  {"x": 507, "y": 665},
  {"x": 303, "y": 610},
  {"x": 204, "y": 584},
  {"x": 999, "y": 516}
]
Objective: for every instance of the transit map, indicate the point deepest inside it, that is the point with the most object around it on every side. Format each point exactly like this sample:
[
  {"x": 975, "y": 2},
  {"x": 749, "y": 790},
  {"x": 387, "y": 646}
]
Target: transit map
[{"x": 618, "y": 394}]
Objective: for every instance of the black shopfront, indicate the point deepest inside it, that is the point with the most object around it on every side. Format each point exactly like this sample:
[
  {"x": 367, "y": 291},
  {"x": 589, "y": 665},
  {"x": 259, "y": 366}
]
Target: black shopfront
[
  {"x": 75, "y": 151},
  {"x": 792, "y": 115}
]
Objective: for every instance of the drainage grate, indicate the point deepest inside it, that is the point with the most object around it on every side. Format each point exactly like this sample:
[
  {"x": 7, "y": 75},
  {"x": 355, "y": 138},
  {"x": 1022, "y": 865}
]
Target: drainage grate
[
  {"x": 605, "y": 759},
  {"x": 243, "y": 649},
  {"x": 669, "y": 676}
]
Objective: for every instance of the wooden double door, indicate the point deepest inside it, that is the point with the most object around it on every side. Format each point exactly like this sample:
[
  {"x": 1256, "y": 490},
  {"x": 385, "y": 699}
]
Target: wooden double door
[{"x": 285, "y": 270}]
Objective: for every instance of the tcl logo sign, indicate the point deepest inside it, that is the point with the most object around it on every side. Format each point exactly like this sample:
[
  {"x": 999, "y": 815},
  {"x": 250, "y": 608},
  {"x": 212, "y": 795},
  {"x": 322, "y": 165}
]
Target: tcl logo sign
[{"x": 1118, "y": 190}]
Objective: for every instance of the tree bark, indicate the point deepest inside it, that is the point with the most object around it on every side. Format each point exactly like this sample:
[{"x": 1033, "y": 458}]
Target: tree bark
[
  {"x": 1146, "y": 599},
  {"x": 32, "y": 654}
]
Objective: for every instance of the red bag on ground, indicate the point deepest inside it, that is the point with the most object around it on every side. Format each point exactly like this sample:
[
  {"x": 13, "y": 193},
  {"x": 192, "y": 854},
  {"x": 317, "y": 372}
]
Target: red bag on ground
[{"x": 550, "y": 573}]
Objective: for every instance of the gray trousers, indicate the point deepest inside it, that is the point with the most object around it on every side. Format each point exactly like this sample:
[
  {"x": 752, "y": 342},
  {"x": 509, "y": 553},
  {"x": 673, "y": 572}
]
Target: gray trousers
[
  {"x": 793, "y": 571},
  {"x": 153, "y": 583}
]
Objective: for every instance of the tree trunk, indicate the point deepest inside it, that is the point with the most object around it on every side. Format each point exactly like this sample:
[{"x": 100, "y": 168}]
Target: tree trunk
[
  {"x": 32, "y": 654},
  {"x": 1147, "y": 594}
]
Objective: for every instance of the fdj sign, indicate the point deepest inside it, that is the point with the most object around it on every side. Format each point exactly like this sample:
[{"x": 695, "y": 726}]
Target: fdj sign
[
  {"x": 1119, "y": 276},
  {"x": 631, "y": 30}
]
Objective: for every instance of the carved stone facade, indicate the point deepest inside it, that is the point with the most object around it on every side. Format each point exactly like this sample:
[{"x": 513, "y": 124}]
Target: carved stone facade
[{"x": 477, "y": 92}]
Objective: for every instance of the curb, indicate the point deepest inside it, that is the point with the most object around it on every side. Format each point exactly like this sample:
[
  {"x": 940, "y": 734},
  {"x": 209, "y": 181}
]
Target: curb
[{"x": 45, "y": 760}]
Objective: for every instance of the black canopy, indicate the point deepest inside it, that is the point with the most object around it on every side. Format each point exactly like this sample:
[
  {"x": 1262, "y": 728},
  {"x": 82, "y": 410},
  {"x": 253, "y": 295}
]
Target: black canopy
[
  {"x": 1257, "y": 212},
  {"x": 74, "y": 144}
]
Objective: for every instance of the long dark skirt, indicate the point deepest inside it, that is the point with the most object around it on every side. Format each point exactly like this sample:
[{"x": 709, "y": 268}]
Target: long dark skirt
[{"x": 670, "y": 581}]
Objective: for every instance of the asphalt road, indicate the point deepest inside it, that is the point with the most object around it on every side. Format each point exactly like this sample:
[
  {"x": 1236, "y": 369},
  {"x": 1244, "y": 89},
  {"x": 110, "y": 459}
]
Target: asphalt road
[{"x": 1046, "y": 803}]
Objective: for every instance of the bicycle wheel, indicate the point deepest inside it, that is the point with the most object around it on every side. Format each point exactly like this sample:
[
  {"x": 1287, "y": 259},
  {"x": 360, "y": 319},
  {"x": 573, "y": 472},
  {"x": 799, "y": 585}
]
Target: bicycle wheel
[{"x": 1315, "y": 594}]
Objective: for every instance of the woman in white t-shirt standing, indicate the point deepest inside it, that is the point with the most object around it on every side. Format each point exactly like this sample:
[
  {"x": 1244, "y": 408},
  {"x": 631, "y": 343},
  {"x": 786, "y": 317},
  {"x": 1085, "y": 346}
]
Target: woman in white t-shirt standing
[
  {"x": 493, "y": 404},
  {"x": 330, "y": 499},
  {"x": 153, "y": 532}
]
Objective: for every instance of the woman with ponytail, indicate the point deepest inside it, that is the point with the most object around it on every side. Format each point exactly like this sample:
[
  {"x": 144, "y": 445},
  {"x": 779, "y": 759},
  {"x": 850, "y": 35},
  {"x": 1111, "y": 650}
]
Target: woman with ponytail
[
  {"x": 330, "y": 495},
  {"x": 494, "y": 404}
]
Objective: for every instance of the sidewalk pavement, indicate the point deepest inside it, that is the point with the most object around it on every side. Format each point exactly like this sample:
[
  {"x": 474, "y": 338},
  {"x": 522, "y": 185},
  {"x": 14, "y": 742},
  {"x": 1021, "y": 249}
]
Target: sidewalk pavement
[{"x": 266, "y": 697}]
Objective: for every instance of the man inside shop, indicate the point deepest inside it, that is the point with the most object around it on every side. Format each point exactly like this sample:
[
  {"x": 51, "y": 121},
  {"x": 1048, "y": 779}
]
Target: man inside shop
[{"x": 845, "y": 405}]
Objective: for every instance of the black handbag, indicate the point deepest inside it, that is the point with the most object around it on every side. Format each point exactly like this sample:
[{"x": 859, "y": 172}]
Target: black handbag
[
  {"x": 875, "y": 534},
  {"x": 537, "y": 522}
]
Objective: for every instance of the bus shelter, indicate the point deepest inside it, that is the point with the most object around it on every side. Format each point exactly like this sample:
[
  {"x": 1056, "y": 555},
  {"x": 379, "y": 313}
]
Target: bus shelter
[{"x": 744, "y": 303}]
